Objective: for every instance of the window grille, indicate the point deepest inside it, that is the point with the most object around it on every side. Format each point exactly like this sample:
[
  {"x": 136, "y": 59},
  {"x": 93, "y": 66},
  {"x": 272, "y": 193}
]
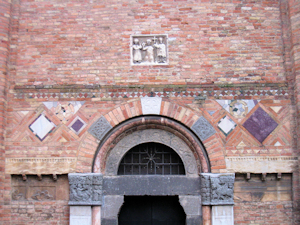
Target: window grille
[{"x": 151, "y": 159}]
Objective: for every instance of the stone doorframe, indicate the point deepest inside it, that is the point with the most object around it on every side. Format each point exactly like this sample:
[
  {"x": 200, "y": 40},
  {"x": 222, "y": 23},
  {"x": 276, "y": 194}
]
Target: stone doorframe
[{"x": 104, "y": 190}]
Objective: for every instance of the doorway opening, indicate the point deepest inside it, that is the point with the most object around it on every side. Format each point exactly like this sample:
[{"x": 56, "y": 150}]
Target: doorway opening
[{"x": 151, "y": 210}]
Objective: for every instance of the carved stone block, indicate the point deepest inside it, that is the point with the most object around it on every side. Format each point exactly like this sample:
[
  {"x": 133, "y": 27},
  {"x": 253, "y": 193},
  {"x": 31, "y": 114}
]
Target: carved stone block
[
  {"x": 217, "y": 189},
  {"x": 203, "y": 129},
  {"x": 85, "y": 189},
  {"x": 100, "y": 128},
  {"x": 151, "y": 105},
  {"x": 149, "y": 50}
]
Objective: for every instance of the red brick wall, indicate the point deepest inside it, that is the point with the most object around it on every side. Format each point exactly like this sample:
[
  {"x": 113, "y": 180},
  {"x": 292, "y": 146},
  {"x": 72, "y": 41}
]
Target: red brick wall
[
  {"x": 46, "y": 212},
  {"x": 5, "y": 8},
  {"x": 263, "y": 213},
  {"x": 83, "y": 42}
]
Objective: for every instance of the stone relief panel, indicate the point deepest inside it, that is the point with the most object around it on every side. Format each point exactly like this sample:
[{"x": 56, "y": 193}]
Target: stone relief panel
[
  {"x": 203, "y": 129},
  {"x": 33, "y": 189},
  {"x": 151, "y": 135},
  {"x": 100, "y": 128},
  {"x": 85, "y": 189},
  {"x": 217, "y": 189},
  {"x": 149, "y": 50},
  {"x": 151, "y": 105}
]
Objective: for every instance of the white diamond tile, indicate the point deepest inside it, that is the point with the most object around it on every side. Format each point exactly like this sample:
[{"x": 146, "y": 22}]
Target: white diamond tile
[
  {"x": 41, "y": 126},
  {"x": 226, "y": 125}
]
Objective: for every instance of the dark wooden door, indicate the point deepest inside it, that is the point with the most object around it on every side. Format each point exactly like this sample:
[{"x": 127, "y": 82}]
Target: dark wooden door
[{"x": 151, "y": 210}]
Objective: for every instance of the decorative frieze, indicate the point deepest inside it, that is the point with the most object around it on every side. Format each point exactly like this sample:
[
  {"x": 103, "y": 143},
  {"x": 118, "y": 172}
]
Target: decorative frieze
[
  {"x": 217, "y": 189},
  {"x": 85, "y": 189},
  {"x": 261, "y": 164},
  {"x": 55, "y": 165}
]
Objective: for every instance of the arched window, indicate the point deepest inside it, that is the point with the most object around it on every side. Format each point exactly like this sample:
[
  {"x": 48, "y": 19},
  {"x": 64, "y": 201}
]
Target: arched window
[{"x": 151, "y": 159}]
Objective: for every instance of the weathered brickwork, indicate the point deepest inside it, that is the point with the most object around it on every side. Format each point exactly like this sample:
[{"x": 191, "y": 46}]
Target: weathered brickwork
[
  {"x": 234, "y": 64},
  {"x": 86, "y": 42}
]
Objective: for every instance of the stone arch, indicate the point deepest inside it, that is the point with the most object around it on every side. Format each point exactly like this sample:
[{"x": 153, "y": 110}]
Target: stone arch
[
  {"x": 150, "y": 129},
  {"x": 168, "y": 109},
  {"x": 151, "y": 135}
]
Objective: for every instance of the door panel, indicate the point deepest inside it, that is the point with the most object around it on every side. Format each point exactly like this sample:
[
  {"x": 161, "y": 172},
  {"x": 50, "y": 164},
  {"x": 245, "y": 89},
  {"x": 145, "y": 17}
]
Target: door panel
[{"x": 151, "y": 210}]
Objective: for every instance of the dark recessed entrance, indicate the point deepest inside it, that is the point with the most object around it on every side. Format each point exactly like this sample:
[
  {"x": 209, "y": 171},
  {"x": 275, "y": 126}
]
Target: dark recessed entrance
[{"x": 151, "y": 210}]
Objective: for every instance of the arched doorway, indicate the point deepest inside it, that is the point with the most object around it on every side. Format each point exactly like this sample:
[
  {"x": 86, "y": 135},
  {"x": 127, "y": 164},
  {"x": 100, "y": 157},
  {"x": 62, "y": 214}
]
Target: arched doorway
[{"x": 151, "y": 210}]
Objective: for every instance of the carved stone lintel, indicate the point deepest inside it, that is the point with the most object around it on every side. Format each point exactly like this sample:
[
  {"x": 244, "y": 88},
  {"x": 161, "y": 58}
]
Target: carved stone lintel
[
  {"x": 217, "y": 189},
  {"x": 85, "y": 189}
]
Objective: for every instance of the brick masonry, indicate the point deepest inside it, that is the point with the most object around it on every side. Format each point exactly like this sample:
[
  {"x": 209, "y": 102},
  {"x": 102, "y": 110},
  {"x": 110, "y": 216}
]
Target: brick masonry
[{"x": 79, "y": 51}]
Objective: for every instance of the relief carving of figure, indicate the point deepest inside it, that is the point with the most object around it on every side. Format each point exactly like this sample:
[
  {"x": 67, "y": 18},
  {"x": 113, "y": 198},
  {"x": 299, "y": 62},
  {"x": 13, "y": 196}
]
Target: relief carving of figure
[
  {"x": 80, "y": 192},
  {"x": 137, "y": 54},
  {"x": 149, "y": 51},
  {"x": 161, "y": 51}
]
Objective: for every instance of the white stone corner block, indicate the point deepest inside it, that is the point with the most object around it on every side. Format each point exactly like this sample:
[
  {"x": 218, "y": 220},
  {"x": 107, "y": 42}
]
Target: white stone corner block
[
  {"x": 151, "y": 105},
  {"x": 80, "y": 215},
  {"x": 222, "y": 215}
]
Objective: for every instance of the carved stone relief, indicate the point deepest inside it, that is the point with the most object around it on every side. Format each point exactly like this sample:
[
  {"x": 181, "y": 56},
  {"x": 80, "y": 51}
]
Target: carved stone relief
[
  {"x": 33, "y": 189},
  {"x": 151, "y": 105},
  {"x": 203, "y": 129},
  {"x": 85, "y": 189},
  {"x": 149, "y": 50},
  {"x": 100, "y": 128},
  {"x": 217, "y": 189},
  {"x": 151, "y": 135}
]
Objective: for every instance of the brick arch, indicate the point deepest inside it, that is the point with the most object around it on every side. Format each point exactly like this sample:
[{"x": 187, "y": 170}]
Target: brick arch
[{"x": 132, "y": 109}]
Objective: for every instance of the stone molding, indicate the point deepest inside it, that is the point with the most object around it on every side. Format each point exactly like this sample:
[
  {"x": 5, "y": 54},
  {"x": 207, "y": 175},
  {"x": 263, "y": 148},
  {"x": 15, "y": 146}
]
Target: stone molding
[
  {"x": 85, "y": 188},
  {"x": 261, "y": 164},
  {"x": 55, "y": 165},
  {"x": 98, "y": 92},
  {"x": 151, "y": 135},
  {"x": 217, "y": 189}
]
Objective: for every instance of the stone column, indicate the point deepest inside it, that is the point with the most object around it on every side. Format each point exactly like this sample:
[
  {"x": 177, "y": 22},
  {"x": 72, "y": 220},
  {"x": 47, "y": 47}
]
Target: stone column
[
  {"x": 5, "y": 12},
  {"x": 80, "y": 215},
  {"x": 192, "y": 209},
  {"x": 217, "y": 191}
]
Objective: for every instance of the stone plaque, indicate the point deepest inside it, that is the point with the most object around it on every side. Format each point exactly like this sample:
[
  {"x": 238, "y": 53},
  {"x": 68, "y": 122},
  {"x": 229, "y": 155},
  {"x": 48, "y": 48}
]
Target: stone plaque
[
  {"x": 85, "y": 189},
  {"x": 100, "y": 128},
  {"x": 151, "y": 105},
  {"x": 149, "y": 49},
  {"x": 203, "y": 129}
]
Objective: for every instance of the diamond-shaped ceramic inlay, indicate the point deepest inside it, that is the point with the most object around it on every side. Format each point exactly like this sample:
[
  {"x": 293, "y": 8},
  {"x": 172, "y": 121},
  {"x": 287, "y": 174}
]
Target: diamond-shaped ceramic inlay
[
  {"x": 238, "y": 108},
  {"x": 41, "y": 127},
  {"x": 226, "y": 125},
  {"x": 203, "y": 129},
  {"x": 77, "y": 125},
  {"x": 260, "y": 124}
]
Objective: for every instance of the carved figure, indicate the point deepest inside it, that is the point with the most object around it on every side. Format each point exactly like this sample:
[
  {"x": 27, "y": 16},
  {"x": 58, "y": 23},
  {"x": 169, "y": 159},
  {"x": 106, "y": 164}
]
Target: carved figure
[
  {"x": 80, "y": 192},
  {"x": 161, "y": 51},
  {"x": 137, "y": 54},
  {"x": 149, "y": 51}
]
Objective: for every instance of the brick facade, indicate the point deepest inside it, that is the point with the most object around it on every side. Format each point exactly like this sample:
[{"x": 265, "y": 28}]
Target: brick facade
[{"x": 66, "y": 64}]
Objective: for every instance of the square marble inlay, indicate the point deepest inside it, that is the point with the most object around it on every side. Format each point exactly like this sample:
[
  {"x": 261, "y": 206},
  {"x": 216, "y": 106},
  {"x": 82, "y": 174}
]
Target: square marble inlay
[
  {"x": 260, "y": 124},
  {"x": 41, "y": 127},
  {"x": 77, "y": 125},
  {"x": 226, "y": 125}
]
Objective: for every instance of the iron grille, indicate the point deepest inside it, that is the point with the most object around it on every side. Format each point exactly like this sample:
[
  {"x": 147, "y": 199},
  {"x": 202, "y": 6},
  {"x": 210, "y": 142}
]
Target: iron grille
[{"x": 151, "y": 159}]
